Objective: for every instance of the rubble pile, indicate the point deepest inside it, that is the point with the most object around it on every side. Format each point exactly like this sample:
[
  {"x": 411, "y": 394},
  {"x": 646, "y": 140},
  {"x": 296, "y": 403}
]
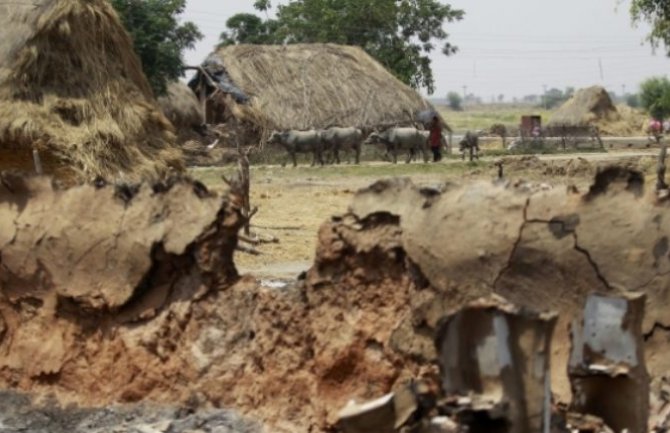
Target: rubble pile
[
  {"x": 18, "y": 413},
  {"x": 128, "y": 294},
  {"x": 494, "y": 364}
]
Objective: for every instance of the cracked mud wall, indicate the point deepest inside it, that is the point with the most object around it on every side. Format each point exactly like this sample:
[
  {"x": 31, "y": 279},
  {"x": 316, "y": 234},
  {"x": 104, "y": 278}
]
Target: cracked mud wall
[
  {"x": 544, "y": 250},
  {"x": 96, "y": 282},
  {"x": 154, "y": 309},
  {"x": 125, "y": 294}
]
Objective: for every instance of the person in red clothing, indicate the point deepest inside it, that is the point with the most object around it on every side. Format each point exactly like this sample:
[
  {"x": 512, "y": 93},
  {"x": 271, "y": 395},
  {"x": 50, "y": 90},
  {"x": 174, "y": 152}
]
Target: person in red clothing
[{"x": 435, "y": 139}]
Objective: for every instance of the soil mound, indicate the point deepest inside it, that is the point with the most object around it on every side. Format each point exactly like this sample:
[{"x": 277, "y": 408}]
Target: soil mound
[{"x": 132, "y": 295}]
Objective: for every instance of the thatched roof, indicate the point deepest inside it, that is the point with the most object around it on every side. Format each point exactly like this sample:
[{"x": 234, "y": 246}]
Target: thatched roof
[
  {"x": 181, "y": 107},
  {"x": 72, "y": 87},
  {"x": 306, "y": 86},
  {"x": 588, "y": 106}
]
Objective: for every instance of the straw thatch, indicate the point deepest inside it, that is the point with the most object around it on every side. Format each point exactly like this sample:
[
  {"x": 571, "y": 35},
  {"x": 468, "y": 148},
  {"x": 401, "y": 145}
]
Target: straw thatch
[
  {"x": 72, "y": 87},
  {"x": 633, "y": 122},
  {"x": 307, "y": 86},
  {"x": 587, "y": 107},
  {"x": 182, "y": 108}
]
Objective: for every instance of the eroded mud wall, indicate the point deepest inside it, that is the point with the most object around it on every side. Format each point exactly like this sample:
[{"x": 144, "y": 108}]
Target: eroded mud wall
[
  {"x": 79, "y": 266},
  {"x": 120, "y": 295},
  {"x": 545, "y": 250}
]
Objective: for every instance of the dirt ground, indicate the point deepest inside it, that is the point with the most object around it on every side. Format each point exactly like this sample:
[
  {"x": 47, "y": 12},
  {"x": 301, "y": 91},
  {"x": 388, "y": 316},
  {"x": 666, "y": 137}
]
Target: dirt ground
[{"x": 294, "y": 202}]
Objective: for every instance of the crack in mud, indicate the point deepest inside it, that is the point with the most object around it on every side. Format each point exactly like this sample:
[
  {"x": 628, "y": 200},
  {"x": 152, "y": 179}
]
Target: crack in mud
[
  {"x": 566, "y": 228},
  {"x": 592, "y": 262},
  {"x": 657, "y": 326},
  {"x": 515, "y": 247}
]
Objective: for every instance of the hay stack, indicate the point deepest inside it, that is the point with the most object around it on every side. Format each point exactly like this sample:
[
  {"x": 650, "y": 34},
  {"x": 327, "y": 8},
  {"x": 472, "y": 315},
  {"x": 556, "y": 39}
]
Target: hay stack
[
  {"x": 633, "y": 122},
  {"x": 182, "y": 108},
  {"x": 590, "y": 106},
  {"x": 306, "y": 86},
  {"x": 72, "y": 87}
]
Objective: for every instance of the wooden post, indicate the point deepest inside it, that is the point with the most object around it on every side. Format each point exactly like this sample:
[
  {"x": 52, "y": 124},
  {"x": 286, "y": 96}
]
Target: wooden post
[
  {"x": 660, "y": 169},
  {"x": 245, "y": 186},
  {"x": 202, "y": 95},
  {"x": 37, "y": 161},
  {"x": 596, "y": 132}
]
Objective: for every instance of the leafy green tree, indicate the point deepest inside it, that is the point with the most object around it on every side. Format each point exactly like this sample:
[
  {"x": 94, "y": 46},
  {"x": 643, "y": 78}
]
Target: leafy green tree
[
  {"x": 455, "y": 101},
  {"x": 400, "y": 34},
  {"x": 249, "y": 29},
  {"x": 262, "y": 5},
  {"x": 655, "y": 97},
  {"x": 656, "y": 13},
  {"x": 158, "y": 37},
  {"x": 555, "y": 97}
]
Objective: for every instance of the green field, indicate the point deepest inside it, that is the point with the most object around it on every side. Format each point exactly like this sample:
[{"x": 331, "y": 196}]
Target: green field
[{"x": 482, "y": 117}]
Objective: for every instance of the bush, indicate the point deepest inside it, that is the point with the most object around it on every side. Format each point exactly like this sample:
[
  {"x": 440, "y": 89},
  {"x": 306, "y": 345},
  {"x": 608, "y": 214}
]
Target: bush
[
  {"x": 655, "y": 97},
  {"x": 455, "y": 101}
]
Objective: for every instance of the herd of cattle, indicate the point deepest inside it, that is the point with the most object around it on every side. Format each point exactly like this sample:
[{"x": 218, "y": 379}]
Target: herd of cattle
[{"x": 326, "y": 145}]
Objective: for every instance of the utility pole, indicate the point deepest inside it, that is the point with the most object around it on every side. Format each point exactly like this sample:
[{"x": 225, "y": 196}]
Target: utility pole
[
  {"x": 600, "y": 65},
  {"x": 465, "y": 92}
]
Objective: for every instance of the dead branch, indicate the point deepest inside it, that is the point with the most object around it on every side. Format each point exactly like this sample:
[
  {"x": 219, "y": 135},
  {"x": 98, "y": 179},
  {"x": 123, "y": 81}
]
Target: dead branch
[
  {"x": 248, "y": 240},
  {"x": 278, "y": 227},
  {"x": 248, "y": 250},
  {"x": 267, "y": 240},
  {"x": 258, "y": 240}
]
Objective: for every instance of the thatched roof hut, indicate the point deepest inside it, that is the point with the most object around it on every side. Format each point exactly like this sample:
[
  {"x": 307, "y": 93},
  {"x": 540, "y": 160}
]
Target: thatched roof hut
[
  {"x": 182, "y": 108},
  {"x": 305, "y": 86},
  {"x": 72, "y": 88},
  {"x": 587, "y": 107}
]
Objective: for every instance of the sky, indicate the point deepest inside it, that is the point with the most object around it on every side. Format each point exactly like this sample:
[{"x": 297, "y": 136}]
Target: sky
[{"x": 510, "y": 47}]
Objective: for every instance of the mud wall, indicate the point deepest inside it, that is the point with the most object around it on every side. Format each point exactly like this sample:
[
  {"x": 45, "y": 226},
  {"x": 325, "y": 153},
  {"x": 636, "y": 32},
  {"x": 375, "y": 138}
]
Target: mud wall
[
  {"x": 121, "y": 295},
  {"x": 545, "y": 250}
]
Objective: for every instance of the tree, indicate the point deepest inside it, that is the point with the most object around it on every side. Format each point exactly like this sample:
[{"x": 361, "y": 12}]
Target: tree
[
  {"x": 655, "y": 97},
  {"x": 455, "y": 101},
  {"x": 501, "y": 131},
  {"x": 555, "y": 97},
  {"x": 400, "y": 34},
  {"x": 656, "y": 13},
  {"x": 633, "y": 100},
  {"x": 262, "y": 5},
  {"x": 248, "y": 29},
  {"x": 158, "y": 37}
]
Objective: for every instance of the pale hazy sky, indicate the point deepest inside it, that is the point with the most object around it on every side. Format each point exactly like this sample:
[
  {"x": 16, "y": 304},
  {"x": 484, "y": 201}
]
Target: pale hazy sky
[{"x": 511, "y": 47}]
